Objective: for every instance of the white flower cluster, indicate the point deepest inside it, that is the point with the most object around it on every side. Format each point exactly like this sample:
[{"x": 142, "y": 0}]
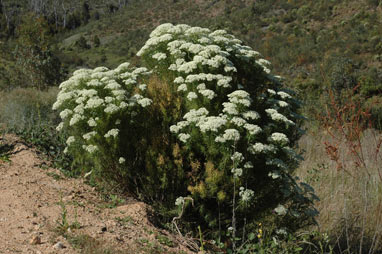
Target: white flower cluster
[
  {"x": 277, "y": 162},
  {"x": 195, "y": 48},
  {"x": 121, "y": 160},
  {"x": 278, "y": 137},
  {"x": 179, "y": 201},
  {"x": 258, "y": 148},
  {"x": 237, "y": 172},
  {"x": 229, "y": 135},
  {"x": 246, "y": 194},
  {"x": 237, "y": 157},
  {"x": 90, "y": 148},
  {"x": 112, "y": 133},
  {"x": 276, "y": 116},
  {"x": 91, "y": 96}
]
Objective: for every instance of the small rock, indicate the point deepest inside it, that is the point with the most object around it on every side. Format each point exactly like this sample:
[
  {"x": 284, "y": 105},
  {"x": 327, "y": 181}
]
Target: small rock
[
  {"x": 104, "y": 229},
  {"x": 67, "y": 198},
  {"x": 59, "y": 245},
  {"x": 35, "y": 240}
]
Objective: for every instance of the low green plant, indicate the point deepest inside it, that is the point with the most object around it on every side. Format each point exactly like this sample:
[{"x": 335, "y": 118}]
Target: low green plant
[
  {"x": 4, "y": 150},
  {"x": 63, "y": 223},
  {"x": 263, "y": 241},
  {"x": 164, "y": 240},
  {"x": 124, "y": 220}
]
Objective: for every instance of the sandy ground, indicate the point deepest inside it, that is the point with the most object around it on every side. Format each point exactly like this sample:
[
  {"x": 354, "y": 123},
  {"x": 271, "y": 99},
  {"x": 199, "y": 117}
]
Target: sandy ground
[{"x": 33, "y": 198}]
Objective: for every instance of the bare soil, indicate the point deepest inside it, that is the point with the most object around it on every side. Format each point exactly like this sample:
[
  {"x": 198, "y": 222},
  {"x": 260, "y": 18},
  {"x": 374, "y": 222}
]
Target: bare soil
[{"x": 40, "y": 207}]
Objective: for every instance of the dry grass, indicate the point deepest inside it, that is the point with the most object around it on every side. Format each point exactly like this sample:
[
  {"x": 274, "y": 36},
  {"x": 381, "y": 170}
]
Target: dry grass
[
  {"x": 351, "y": 195},
  {"x": 24, "y": 107}
]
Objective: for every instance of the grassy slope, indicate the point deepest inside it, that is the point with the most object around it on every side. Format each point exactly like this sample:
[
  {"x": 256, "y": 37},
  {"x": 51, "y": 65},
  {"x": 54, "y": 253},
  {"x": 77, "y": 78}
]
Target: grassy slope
[{"x": 297, "y": 36}]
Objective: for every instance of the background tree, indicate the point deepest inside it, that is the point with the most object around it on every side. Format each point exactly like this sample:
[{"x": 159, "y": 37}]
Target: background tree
[
  {"x": 33, "y": 53},
  {"x": 96, "y": 41},
  {"x": 85, "y": 12}
]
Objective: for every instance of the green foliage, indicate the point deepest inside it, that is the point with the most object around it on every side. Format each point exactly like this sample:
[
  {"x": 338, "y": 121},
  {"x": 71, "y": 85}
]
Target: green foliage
[
  {"x": 343, "y": 74},
  {"x": 33, "y": 53},
  {"x": 374, "y": 3},
  {"x": 96, "y": 41},
  {"x": 82, "y": 43},
  {"x": 265, "y": 242},
  {"x": 28, "y": 113},
  {"x": 4, "y": 150}
]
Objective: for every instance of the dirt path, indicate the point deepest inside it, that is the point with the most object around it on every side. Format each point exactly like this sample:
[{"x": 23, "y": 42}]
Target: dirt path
[{"x": 34, "y": 201}]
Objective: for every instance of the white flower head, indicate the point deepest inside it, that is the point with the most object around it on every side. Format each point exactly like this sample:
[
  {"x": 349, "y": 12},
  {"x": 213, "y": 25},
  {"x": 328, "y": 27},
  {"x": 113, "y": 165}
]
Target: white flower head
[
  {"x": 144, "y": 102},
  {"x": 75, "y": 119},
  {"x": 179, "y": 201},
  {"x": 238, "y": 121},
  {"x": 65, "y": 113},
  {"x": 211, "y": 123},
  {"x": 237, "y": 157},
  {"x": 89, "y": 135},
  {"x": 248, "y": 164},
  {"x": 159, "y": 56},
  {"x": 230, "y": 108},
  {"x": 184, "y": 137},
  {"x": 258, "y": 148},
  {"x": 276, "y": 116},
  {"x": 142, "y": 87},
  {"x": 231, "y": 135},
  {"x": 60, "y": 126},
  {"x": 201, "y": 86},
  {"x": 281, "y": 210},
  {"x": 179, "y": 80},
  {"x": 90, "y": 148},
  {"x": 92, "y": 122},
  {"x": 70, "y": 140},
  {"x": 174, "y": 128},
  {"x": 246, "y": 194},
  {"x": 237, "y": 172},
  {"x": 208, "y": 93},
  {"x": 182, "y": 88},
  {"x": 251, "y": 115},
  {"x": 112, "y": 133},
  {"x": 121, "y": 160},
  {"x": 284, "y": 95},
  {"x": 278, "y": 137},
  {"x": 191, "y": 96}
]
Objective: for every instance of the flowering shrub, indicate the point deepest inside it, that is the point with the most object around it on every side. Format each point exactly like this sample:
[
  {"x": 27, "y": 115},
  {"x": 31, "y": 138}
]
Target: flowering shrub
[
  {"x": 99, "y": 108},
  {"x": 120, "y": 134},
  {"x": 213, "y": 123},
  {"x": 239, "y": 122}
]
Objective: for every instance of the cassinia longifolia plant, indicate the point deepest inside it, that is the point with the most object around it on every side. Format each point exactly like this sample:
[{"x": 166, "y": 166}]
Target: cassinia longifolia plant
[
  {"x": 240, "y": 121},
  {"x": 99, "y": 107},
  {"x": 239, "y": 125}
]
